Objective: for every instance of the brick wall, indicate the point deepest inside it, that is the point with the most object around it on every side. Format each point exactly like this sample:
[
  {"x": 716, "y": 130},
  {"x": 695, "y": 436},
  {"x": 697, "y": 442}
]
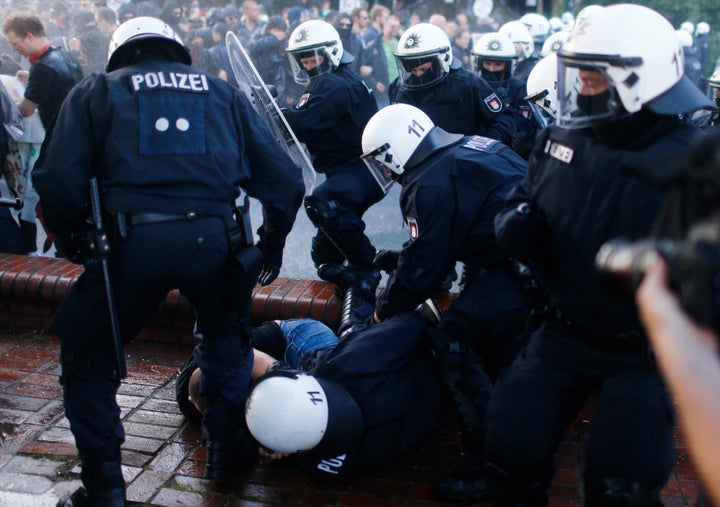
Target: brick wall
[{"x": 32, "y": 288}]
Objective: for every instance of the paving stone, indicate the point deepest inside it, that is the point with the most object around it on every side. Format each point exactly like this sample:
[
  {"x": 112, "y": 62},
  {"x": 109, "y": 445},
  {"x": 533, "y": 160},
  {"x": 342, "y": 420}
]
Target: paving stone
[
  {"x": 11, "y": 401},
  {"x": 37, "y": 391},
  {"x": 126, "y": 401},
  {"x": 33, "y": 465},
  {"x": 24, "y": 483},
  {"x": 170, "y": 457},
  {"x": 149, "y": 430},
  {"x": 50, "y": 412},
  {"x": 168, "y": 497},
  {"x": 146, "y": 485},
  {"x": 57, "y": 434},
  {"x": 50, "y": 448},
  {"x": 135, "y": 459},
  {"x": 142, "y": 444},
  {"x": 157, "y": 418},
  {"x": 159, "y": 405}
]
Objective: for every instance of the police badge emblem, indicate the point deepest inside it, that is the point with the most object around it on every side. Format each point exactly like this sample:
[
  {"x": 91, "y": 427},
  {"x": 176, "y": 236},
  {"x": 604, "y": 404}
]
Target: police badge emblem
[
  {"x": 493, "y": 103},
  {"x": 303, "y": 100},
  {"x": 413, "y": 225}
]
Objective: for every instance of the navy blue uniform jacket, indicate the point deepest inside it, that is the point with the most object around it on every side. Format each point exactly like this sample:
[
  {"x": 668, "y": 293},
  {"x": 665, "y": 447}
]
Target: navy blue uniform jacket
[
  {"x": 163, "y": 137},
  {"x": 449, "y": 203}
]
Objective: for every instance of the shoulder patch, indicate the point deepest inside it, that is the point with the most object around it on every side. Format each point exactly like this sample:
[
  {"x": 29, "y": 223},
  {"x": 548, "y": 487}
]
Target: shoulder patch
[
  {"x": 413, "y": 225},
  {"x": 493, "y": 103},
  {"x": 559, "y": 151},
  {"x": 525, "y": 112},
  {"x": 303, "y": 100},
  {"x": 480, "y": 143}
]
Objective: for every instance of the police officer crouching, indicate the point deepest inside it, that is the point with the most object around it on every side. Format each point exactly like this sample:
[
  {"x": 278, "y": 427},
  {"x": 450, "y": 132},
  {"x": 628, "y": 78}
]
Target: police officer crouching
[{"x": 169, "y": 148}]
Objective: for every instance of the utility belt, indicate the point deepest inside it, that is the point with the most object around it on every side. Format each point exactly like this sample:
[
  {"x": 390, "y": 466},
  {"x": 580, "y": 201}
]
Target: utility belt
[
  {"x": 588, "y": 334},
  {"x": 246, "y": 256}
]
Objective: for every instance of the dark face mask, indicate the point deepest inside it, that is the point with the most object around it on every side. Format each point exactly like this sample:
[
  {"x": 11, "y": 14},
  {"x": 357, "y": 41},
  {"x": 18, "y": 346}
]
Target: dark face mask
[
  {"x": 594, "y": 105},
  {"x": 344, "y": 32}
]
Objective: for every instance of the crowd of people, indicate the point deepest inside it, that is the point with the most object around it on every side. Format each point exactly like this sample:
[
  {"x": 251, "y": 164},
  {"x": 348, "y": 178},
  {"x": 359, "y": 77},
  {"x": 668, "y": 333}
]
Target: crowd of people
[{"x": 522, "y": 150}]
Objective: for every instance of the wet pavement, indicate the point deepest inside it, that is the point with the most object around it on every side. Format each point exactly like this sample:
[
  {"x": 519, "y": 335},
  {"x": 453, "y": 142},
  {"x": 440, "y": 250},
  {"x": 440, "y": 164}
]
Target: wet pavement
[{"x": 163, "y": 456}]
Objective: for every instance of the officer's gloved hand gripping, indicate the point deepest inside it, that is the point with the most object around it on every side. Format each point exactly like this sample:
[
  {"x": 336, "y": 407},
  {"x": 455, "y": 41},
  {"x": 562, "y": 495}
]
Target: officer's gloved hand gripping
[{"x": 270, "y": 267}]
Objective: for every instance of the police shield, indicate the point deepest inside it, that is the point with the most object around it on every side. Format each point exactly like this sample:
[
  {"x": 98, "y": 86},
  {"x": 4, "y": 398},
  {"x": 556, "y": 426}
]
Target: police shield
[{"x": 257, "y": 92}]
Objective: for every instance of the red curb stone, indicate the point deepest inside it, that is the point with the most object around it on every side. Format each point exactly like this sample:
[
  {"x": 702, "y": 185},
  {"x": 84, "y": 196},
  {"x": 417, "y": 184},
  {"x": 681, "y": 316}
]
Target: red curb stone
[{"x": 50, "y": 448}]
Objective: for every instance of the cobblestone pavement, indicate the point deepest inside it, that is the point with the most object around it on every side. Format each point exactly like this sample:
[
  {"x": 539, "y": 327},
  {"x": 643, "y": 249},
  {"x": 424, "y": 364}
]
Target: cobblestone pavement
[{"x": 163, "y": 457}]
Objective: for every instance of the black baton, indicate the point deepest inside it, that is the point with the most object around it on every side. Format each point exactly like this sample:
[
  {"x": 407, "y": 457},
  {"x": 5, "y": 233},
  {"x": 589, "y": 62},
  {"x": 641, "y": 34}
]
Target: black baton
[
  {"x": 9, "y": 202},
  {"x": 101, "y": 245}
]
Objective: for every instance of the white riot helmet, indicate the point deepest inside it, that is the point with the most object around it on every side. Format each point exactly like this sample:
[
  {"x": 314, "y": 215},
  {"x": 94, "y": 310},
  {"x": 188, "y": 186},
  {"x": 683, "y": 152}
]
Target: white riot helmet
[
  {"x": 554, "y": 43},
  {"x": 141, "y": 30},
  {"x": 289, "y": 411},
  {"x": 688, "y": 27},
  {"x": 316, "y": 41},
  {"x": 685, "y": 38},
  {"x": 520, "y": 35},
  {"x": 586, "y": 12},
  {"x": 602, "y": 77},
  {"x": 538, "y": 26},
  {"x": 556, "y": 25},
  {"x": 494, "y": 47},
  {"x": 702, "y": 28},
  {"x": 714, "y": 79},
  {"x": 397, "y": 138},
  {"x": 568, "y": 20},
  {"x": 542, "y": 90},
  {"x": 421, "y": 44}
]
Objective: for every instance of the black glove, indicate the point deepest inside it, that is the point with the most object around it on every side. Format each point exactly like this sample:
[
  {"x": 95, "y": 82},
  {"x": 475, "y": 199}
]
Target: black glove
[
  {"x": 271, "y": 266},
  {"x": 386, "y": 260}
]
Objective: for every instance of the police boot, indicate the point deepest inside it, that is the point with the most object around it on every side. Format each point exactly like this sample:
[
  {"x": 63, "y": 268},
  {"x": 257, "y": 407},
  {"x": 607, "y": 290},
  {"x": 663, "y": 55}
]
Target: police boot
[
  {"x": 229, "y": 444},
  {"x": 104, "y": 485},
  {"x": 367, "y": 279}
]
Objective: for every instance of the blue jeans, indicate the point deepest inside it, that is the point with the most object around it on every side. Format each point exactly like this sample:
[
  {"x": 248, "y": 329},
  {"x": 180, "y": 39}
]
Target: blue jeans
[{"x": 304, "y": 336}]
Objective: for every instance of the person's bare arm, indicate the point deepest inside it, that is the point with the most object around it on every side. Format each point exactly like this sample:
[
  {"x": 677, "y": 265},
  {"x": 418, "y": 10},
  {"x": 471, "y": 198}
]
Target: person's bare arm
[
  {"x": 688, "y": 358},
  {"x": 26, "y": 107},
  {"x": 261, "y": 362}
]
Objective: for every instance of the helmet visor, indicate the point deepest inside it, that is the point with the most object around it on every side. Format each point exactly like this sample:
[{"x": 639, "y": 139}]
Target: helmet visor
[
  {"x": 308, "y": 64},
  {"x": 586, "y": 95},
  {"x": 383, "y": 174},
  {"x": 420, "y": 72},
  {"x": 540, "y": 105}
]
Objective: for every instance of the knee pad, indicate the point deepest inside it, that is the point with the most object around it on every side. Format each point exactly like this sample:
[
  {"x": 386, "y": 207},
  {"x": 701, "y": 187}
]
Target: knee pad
[
  {"x": 320, "y": 210},
  {"x": 618, "y": 492}
]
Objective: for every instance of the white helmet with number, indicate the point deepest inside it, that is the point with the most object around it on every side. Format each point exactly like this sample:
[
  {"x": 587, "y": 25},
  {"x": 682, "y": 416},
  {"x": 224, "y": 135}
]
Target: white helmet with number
[
  {"x": 319, "y": 42},
  {"x": 640, "y": 65},
  {"x": 496, "y": 47},
  {"x": 520, "y": 35},
  {"x": 289, "y": 411},
  {"x": 421, "y": 44},
  {"x": 141, "y": 30},
  {"x": 554, "y": 43},
  {"x": 397, "y": 138},
  {"x": 538, "y": 25},
  {"x": 542, "y": 90}
]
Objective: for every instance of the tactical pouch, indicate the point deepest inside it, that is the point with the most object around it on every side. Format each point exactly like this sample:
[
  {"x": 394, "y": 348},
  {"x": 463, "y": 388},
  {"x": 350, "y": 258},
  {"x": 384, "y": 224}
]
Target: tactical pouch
[{"x": 246, "y": 257}]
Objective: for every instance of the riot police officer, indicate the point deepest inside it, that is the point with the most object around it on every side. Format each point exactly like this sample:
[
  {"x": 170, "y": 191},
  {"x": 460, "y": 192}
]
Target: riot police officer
[
  {"x": 493, "y": 59},
  {"x": 452, "y": 187},
  {"x": 169, "y": 147},
  {"x": 455, "y": 99},
  {"x": 329, "y": 118},
  {"x": 620, "y": 90}
]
